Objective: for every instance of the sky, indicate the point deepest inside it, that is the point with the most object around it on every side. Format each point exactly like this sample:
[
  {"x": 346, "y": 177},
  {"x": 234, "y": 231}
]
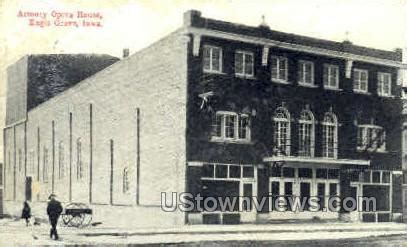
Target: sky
[{"x": 135, "y": 24}]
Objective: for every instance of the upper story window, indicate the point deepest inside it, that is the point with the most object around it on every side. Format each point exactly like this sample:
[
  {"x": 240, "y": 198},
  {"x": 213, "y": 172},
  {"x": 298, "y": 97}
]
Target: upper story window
[
  {"x": 244, "y": 63},
  {"x": 212, "y": 59},
  {"x": 306, "y": 134},
  {"x": 329, "y": 136},
  {"x": 331, "y": 76},
  {"x": 306, "y": 72},
  {"x": 281, "y": 137},
  {"x": 360, "y": 80},
  {"x": 384, "y": 84},
  {"x": 371, "y": 138},
  {"x": 279, "y": 69},
  {"x": 231, "y": 126}
]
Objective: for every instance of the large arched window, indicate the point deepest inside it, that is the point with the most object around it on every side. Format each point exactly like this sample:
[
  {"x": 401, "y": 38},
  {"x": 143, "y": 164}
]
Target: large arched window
[
  {"x": 329, "y": 135},
  {"x": 306, "y": 134},
  {"x": 281, "y": 135}
]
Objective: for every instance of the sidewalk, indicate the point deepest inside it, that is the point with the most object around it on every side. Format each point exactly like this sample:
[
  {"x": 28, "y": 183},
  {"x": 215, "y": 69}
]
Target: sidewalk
[
  {"x": 248, "y": 228},
  {"x": 38, "y": 235}
]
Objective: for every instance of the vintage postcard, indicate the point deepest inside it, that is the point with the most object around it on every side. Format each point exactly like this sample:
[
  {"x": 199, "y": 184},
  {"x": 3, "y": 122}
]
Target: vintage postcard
[{"x": 203, "y": 123}]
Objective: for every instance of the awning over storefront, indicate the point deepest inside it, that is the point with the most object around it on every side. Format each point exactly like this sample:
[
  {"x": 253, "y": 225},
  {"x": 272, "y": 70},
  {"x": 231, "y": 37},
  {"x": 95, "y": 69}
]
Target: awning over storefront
[{"x": 318, "y": 160}]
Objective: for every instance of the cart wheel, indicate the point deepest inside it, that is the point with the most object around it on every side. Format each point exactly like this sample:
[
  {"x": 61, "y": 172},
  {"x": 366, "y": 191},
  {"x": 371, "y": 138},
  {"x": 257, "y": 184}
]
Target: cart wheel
[{"x": 76, "y": 220}]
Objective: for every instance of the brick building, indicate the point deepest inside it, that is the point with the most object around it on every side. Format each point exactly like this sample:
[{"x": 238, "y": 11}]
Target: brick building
[{"x": 216, "y": 109}]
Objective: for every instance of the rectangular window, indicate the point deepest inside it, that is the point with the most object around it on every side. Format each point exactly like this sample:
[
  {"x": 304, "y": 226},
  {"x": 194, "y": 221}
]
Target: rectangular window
[
  {"x": 234, "y": 171},
  {"x": 288, "y": 172},
  {"x": 385, "y": 177},
  {"x": 231, "y": 126},
  {"x": 221, "y": 171},
  {"x": 376, "y": 176},
  {"x": 230, "y": 121},
  {"x": 275, "y": 172},
  {"x": 384, "y": 84},
  {"x": 331, "y": 76},
  {"x": 333, "y": 173},
  {"x": 212, "y": 59},
  {"x": 321, "y": 173},
  {"x": 244, "y": 127},
  {"x": 371, "y": 138},
  {"x": 366, "y": 176},
  {"x": 304, "y": 172},
  {"x": 279, "y": 69},
  {"x": 126, "y": 182},
  {"x": 360, "y": 80},
  {"x": 244, "y": 63},
  {"x": 306, "y": 72},
  {"x": 208, "y": 171},
  {"x": 248, "y": 171}
]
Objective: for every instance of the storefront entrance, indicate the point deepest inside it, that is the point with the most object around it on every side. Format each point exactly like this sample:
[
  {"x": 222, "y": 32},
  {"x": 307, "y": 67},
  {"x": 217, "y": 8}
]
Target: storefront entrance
[{"x": 298, "y": 187}]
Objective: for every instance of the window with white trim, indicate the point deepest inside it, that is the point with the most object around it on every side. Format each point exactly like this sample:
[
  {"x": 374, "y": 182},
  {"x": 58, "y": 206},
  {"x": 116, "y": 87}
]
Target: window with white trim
[
  {"x": 329, "y": 136},
  {"x": 306, "y": 134},
  {"x": 126, "y": 181},
  {"x": 306, "y": 72},
  {"x": 360, "y": 80},
  {"x": 331, "y": 76},
  {"x": 231, "y": 126},
  {"x": 281, "y": 137},
  {"x": 375, "y": 176},
  {"x": 244, "y": 63},
  {"x": 212, "y": 59},
  {"x": 226, "y": 171},
  {"x": 279, "y": 69},
  {"x": 371, "y": 138},
  {"x": 384, "y": 84}
]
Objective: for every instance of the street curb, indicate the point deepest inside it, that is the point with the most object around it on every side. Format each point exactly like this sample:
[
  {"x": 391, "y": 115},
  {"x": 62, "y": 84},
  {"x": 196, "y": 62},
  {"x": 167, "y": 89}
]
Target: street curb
[{"x": 234, "y": 232}]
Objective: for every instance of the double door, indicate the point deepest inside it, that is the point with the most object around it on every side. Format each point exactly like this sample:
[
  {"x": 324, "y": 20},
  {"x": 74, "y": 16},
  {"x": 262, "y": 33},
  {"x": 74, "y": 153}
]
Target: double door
[{"x": 291, "y": 189}]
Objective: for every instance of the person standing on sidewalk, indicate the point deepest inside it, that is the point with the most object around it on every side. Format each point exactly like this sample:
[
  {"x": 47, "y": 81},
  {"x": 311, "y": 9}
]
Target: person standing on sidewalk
[
  {"x": 54, "y": 210},
  {"x": 26, "y": 213}
]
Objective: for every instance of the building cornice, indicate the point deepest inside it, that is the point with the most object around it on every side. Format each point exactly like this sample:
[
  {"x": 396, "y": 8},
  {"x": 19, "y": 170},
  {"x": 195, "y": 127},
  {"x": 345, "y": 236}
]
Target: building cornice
[{"x": 199, "y": 32}]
